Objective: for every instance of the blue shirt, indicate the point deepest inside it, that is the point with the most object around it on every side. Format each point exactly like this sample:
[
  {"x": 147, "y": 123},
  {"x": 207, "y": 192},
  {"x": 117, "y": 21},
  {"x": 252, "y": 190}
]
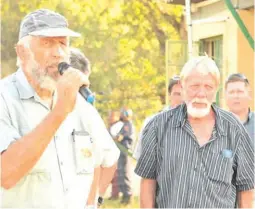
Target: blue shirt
[{"x": 63, "y": 175}]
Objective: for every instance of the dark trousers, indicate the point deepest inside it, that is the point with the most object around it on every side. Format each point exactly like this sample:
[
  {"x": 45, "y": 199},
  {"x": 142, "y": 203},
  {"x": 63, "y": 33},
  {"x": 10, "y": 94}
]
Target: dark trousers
[{"x": 124, "y": 175}]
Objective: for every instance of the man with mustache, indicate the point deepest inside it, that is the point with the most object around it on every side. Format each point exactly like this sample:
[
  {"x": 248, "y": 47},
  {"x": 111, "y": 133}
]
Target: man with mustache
[
  {"x": 196, "y": 155},
  {"x": 50, "y": 136},
  {"x": 238, "y": 97}
]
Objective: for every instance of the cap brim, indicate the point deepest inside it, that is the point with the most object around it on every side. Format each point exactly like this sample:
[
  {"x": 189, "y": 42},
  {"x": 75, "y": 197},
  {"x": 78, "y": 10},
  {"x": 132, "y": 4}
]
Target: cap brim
[{"x": 55, "y": 32}]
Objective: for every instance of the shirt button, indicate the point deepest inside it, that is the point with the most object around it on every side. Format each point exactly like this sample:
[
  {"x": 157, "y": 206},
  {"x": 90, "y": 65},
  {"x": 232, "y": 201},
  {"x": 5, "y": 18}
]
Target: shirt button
[{"x": 61, "y": 163}]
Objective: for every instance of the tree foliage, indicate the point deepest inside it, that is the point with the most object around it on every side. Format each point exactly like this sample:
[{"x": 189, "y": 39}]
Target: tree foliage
[{"x": 124, "y": 40}]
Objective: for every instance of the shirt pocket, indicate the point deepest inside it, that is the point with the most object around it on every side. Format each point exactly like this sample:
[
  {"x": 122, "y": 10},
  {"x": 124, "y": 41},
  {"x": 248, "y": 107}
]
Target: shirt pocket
[
  {"x": 83, "y": 152},
  {"x": 219, "y": 171}
]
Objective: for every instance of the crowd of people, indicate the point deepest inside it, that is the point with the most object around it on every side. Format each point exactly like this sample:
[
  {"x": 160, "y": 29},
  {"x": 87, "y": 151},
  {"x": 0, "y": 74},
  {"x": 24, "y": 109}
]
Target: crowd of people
[{"x": 56, "y": 151}]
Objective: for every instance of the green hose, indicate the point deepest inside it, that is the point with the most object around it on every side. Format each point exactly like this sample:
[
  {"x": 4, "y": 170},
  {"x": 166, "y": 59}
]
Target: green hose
[{"x": 124, "y": 150}]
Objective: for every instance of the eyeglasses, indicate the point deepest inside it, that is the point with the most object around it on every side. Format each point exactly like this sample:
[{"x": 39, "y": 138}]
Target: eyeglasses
[{"x": 234, "y": 76}]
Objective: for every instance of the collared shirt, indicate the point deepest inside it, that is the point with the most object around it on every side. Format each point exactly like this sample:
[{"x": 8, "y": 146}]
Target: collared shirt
[
  {"x": 138, "y": 147},
  {"x": 63, "y": 175},
  {"x": 249, "y": 125},
  {"x": 194, "y": 176}
]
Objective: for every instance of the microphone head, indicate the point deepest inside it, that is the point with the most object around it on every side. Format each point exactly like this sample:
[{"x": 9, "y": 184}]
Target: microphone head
[
  {"x": 62, "y": 66},
  {"x": 91, "y": 99}
]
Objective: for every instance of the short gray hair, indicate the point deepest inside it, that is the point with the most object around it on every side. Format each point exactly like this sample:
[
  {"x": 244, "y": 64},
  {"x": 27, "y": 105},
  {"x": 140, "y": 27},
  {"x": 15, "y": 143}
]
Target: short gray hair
[
  {"x": 203, "y": 64},
  {"x": 79, "y": 61}
]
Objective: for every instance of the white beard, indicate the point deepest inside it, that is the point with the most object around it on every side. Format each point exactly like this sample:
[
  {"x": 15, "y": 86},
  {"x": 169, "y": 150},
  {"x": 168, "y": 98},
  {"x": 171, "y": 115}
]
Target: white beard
[
  {"x": 47, "y": 83},
  {"x": 198, "y": 112}
]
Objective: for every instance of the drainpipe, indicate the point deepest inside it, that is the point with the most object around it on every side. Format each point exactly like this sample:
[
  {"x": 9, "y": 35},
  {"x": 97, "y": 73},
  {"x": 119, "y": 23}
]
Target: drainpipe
[
  {"x": 240, "y": 23},
  {"x": 189, "y": 27}
]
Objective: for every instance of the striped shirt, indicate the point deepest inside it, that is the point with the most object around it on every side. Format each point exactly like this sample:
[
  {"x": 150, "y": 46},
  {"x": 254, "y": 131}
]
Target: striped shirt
[
  {"x": 188, "y": 175},
  {"x": 138, "y": 147},
  {"x": 249, "y": 125}
]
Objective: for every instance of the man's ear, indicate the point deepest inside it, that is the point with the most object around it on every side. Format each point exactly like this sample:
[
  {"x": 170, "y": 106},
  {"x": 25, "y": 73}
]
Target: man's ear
[{"x": 24, "y": 52}]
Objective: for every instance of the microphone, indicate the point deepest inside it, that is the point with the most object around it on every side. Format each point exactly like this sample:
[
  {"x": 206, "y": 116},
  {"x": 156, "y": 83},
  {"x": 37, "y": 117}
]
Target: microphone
[{"x": 84, "y": 91}]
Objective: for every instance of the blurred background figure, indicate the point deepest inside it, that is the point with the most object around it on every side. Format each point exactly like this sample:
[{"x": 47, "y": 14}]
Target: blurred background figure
[
  {"x": 79, "y": 61},
  {"x": 174, "y": 92},
  {"x": 238, "y": 98},
  {"x": 126, "y": 137},
  {"x": 175, "y": 99},
  {"x": 102, "y": 175},
  {"x": 113, "y": 118}
]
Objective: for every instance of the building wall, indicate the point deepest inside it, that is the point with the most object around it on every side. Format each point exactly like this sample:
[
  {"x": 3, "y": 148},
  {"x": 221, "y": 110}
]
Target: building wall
[
  {"x": 245, "y": 54},
  {"x": 226, "y": 27}
]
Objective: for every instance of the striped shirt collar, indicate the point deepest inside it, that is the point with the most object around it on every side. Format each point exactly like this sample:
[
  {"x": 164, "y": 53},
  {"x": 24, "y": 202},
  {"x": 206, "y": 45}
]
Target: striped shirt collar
[{"x": 181, "y": 117}]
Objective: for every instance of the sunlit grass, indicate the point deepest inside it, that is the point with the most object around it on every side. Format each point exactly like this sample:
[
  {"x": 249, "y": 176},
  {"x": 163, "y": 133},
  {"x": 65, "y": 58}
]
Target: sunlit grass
[{"x": 117, "y": 204}]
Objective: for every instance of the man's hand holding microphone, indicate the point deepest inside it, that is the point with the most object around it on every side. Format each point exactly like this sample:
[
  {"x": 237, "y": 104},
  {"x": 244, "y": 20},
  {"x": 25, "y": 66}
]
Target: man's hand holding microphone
[{"x": 68, "y": 86}]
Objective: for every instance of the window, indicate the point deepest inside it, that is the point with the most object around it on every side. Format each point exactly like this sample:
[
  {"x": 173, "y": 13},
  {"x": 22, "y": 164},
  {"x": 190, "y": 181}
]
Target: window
[{"x": 214, "y": 49}]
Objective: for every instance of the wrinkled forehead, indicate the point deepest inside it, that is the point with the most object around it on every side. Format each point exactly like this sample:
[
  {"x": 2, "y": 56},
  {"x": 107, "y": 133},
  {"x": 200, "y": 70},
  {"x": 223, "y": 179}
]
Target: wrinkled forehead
[
  {"x": 199, "y": 76},
  {"x": 200, "y": 66}
]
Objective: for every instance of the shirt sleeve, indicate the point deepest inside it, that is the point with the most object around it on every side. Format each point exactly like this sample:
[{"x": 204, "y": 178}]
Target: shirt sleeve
[
  {"x": 147, "y": 162},
  {"x": 245, "y": 163},
  {"x": 105, "y": 149},
  {"x": 8, "y": 134},
  {"x": 138, "y": 148}
]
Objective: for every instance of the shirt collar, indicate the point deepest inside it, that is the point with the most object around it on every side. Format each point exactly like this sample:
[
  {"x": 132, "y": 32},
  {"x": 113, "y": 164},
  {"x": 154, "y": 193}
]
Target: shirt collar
[
  {"x": 24, "y": 88},
  {"x": 181, "y": 118},
  {"x": 250, "y": 116},
  {"x": 219, "y": 120}
]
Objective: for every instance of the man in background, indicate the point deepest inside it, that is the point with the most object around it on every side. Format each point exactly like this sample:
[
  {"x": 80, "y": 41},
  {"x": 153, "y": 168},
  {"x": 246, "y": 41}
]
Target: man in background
[
  {"x": 102, "y": 175},
  {"x": 79, "y": 61},
  {"x": 125, "y": 137},
  {"x": 174, "y": 92},
  {"x": 238, "y": 97},
  {"x": 175, "y": 99}
]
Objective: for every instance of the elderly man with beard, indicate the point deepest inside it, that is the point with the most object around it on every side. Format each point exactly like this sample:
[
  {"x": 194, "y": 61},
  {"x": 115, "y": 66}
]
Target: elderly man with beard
[
  {"x": 196, "y": 155},
  {"x": 51, "y": 138}
]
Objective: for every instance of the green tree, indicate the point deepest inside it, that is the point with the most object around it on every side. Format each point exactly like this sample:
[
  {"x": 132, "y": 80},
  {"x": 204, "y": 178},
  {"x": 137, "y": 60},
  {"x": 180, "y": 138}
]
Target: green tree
[{"x": 124, "y": 40}]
